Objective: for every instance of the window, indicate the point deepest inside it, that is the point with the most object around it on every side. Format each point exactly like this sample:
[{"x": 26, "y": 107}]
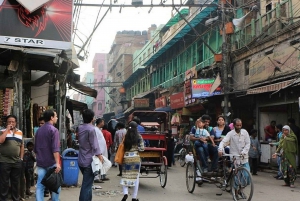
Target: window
[
  {"x": 99, "y": 106},
  {"x": 100, "y": 68},
  {"x": 246, "y": 64}
]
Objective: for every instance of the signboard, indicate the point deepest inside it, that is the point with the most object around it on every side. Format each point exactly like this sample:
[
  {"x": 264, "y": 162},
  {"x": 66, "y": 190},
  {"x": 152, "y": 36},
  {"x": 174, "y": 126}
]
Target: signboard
[
  {"x": 161, "y": 102},
  {"x": 262, "y": 67},
  {"x": 50, "y": 26},
  {"x": 141, "y": 102},
  {"x": 177, "y": 100},
  {"x": 201, "y": 88}
]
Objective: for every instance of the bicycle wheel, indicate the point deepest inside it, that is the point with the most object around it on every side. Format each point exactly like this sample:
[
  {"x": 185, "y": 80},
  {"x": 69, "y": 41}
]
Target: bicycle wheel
[
  {"x": 182, "y": 155},
  {"x": 163, "y": 175},
  {"x": 241, "y": 184},
  {"x": 190, "y": 177}
]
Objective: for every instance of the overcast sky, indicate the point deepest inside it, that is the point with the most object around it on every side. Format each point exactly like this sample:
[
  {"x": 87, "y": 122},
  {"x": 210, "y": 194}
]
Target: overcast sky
[{"x": 129, "y": 19}]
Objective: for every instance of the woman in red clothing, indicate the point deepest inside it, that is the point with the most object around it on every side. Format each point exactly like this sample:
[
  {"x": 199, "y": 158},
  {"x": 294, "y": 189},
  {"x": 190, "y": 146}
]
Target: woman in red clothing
[{"x": 108, "y": 139}]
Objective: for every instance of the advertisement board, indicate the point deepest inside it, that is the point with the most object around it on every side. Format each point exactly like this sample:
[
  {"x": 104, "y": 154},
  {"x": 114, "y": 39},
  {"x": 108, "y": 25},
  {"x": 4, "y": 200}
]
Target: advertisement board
[
  {"x": 141, "y": 102},
  {"x": 177, "y": 100},
  {"x": 50, "y": 26},
  {"x": 160, "y": 102},
  {"x": 201, "y": 88}
]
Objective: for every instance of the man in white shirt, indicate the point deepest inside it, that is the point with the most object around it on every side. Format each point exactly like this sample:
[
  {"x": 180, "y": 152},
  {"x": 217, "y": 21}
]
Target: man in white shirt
[{"x": 239, "y": 141}]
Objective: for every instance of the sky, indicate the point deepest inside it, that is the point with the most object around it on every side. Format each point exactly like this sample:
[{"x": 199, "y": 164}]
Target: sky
[{"x": 137, "y": 19}]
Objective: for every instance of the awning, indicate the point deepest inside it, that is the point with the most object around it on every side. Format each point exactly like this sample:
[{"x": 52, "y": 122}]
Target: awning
[
  {"x": 195, "y": 21},
  {"x": 77, "y": 105},
  {"x": 85, "y": 90},
  {"x": 294, "y": 83},
  {"x": 164, "y": 109},
  {"x": 145, "y": 124},
  {"x": 270, "y": 87}
]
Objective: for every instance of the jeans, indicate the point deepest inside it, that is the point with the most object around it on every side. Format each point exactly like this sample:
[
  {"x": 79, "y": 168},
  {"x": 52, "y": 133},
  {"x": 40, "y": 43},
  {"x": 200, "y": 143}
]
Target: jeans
[
  {"x": 12, "y": 172},
  {"x": 204, "y": 146},
  {"x": 87, "y": 183},
  {"x": 203, "y": 159},
  {"x": 279, "y": 174},
  {"x": 213, "y": 151},
  {"x": 40, "y": 187}
]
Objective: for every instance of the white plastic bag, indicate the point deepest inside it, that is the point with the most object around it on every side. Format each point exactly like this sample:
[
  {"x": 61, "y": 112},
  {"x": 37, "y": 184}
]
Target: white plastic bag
[{"x": 105, "y": 166}]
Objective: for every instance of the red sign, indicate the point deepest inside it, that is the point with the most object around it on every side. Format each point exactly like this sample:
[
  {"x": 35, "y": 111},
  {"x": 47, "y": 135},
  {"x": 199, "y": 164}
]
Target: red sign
[
  {"x": 141, "y": 102},
  {"x": 177, "y": 100},
  {"x": 50, "y": 26},
  {"x": 161, "y": 102}
]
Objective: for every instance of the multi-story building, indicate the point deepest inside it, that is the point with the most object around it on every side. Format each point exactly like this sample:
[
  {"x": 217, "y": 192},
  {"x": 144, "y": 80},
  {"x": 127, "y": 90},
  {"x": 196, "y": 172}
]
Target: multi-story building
[
  {"x": 100, "y": 77},
  {"x": 120, "y": 63}
]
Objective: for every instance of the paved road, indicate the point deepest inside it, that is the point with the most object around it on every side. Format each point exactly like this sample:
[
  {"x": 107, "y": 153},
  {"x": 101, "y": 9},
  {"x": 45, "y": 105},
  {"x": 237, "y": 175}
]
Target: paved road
[{"x": 266, "y": 188}]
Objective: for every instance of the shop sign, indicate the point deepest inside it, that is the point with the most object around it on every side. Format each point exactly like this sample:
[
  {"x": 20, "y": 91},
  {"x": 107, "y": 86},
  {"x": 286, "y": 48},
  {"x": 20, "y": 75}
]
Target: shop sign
[
  {"x": 283, "y": 60},
  {"x": 201, "y": 88},
  {"x": 161, "y": 102},
  {"x": 46, "y": 24},
  {"x": 141, "y": 102},
  {"x": 177, "y": 100}
]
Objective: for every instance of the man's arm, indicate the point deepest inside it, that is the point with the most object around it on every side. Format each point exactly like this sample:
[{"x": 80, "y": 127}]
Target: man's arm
[
  {"x": 57, "y": 161},
  {"x": 55, "y": 149},
  {"x": 3, "y": 135},
  {"x": 247, "y": 144},
  {"x": 22, "y": 151},
  {"x": 225, "y": 142}
]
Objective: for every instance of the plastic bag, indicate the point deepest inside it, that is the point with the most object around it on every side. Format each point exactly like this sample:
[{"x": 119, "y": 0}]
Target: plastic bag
[{"x": 105, "y": 166}]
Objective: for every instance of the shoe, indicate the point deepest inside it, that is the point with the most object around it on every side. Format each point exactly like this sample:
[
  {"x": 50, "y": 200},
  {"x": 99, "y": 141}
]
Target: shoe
[
  {"x": 124, "y": 197},
  {"x": 46, "y": 194},
  {"x": 276, "y": 177},
  {"x": 105, "y": 179},
  {"x": 98, "y": 181},
  {"x": 120, "y": 175}
]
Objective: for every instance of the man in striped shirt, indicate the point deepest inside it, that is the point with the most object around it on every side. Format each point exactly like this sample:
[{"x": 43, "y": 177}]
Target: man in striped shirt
[{"x": 11, "y": 157}]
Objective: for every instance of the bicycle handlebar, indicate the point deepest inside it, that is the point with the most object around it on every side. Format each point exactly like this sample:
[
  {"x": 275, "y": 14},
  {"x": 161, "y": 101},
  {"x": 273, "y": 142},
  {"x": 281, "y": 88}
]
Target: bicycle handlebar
[{"x": 233, "y": 155}]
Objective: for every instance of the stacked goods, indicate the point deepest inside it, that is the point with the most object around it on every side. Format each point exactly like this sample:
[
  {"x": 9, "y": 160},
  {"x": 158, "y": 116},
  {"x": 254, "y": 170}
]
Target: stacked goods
[
  {"x": 1, "y": 103},
  {"x": 7, "y": 102}
]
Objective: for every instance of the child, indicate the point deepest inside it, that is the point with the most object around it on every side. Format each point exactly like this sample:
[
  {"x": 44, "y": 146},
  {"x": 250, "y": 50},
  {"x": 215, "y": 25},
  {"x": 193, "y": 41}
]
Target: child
[
  {"x": 254, "y": 152},
  {"x": 202, "y": 136},
  {"x": 28, "y": 162}
]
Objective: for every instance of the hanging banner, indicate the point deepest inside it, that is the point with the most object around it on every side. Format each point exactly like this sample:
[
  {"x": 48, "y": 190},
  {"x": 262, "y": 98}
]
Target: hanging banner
[{"x": 49, "y": 26}]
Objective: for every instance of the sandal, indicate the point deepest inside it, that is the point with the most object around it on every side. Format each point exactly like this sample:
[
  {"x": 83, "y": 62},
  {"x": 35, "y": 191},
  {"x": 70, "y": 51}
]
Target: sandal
[{"x": 124, "y": 197}]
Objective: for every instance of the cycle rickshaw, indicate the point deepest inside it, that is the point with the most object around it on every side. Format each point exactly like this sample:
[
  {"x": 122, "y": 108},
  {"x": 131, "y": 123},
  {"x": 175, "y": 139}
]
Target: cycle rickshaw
[{"x": 232, "y": 178}]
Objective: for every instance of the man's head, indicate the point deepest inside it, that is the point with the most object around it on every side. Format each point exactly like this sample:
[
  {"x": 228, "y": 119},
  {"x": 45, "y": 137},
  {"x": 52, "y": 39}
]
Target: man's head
[
  {"x": 88, "y": 116},
  {"x": 253, "y": 133},
  {"x": 29, "y": 146},
  {"x": 291, "y": 121},
  {"x": 99, "y": 122},
  {"x": 11, "y": 121},
  {"x": 136, "y": 120},
  {"x": 237, "y": 123},
  {"x": 273, "y": 123},
  {"x": 206, "y": 118},
  {"x": 120, "y": 125},
  {"x": 41, "y": 121},
  {"x": 278, "y": 128},
  {"x": 50, "y": 116}
]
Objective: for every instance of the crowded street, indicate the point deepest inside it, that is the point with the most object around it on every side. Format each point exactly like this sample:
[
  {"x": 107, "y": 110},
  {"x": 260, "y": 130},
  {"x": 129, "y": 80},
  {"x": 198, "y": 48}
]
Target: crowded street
[{"x": 266, "y": 188}]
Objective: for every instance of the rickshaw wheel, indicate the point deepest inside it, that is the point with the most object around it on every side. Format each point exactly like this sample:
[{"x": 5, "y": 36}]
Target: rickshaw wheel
[
  {"x": 163, "y": 172},
  {"x": 190, "y": 177}
]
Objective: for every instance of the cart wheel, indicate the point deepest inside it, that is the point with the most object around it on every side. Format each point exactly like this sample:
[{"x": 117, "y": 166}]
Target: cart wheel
[
  {"x": 190, "y": 177},
  {"x": 182, "y": 154},
  {"x": 163, "y": 172}
]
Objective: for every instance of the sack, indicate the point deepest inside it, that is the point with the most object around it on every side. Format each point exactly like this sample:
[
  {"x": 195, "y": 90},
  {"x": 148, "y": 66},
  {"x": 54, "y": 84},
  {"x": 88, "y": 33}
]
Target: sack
[
  {"x": 120, "y": 154},
  {"x": 52, "y": 180},
  {"x": 105, "y": 166}
]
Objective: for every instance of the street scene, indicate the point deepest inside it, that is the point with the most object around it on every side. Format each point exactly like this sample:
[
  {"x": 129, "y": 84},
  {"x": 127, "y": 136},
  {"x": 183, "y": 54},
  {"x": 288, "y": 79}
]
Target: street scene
[{"x": 149, "y": 99}]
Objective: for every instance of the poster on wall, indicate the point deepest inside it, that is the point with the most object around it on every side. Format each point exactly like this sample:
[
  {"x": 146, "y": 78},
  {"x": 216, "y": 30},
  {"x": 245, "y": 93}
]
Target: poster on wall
[{"x": 48, "y": 26}]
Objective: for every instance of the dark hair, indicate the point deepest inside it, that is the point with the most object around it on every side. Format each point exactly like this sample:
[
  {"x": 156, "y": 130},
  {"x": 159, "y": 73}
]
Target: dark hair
[
  {"x": 120, "y": 125},
  {"x": 132, "y": 136},
  {"x": 29, "y": 144},
  {"x": 279, "y": 126},
  {"x": 220, "y": 116},
  {"x": 205, "y": 117},
  {"x": 137, "y": 120},
  {"x": 291, "y": 120},
  {"x": 273, "y": 121},
  {"x": 253, "y": 131},
  {"x": 11, "y": 116},
  {"x": 236, "y": 120},
  {"x": 48, "y": 114},
  {"x": 41, "y": 119},
  {"x": 99, "y": 120},
  {"x": 105, "y": 127},
  {"x": 88, "y": 116}
]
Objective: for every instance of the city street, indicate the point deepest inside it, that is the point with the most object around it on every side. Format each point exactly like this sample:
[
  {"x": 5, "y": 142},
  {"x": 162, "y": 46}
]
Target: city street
[{"x": 266, "y": 188}]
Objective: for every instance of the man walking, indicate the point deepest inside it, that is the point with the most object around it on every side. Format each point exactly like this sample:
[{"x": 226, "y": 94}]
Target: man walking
[
  {"x": 88, "y": 147},
  {"x": 46, "y": 148},
  {"x": 11, "y": 157}
]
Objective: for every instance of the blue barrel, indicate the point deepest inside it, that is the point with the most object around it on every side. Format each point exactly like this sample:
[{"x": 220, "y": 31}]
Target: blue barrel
[{"x": 70, "y": 169}]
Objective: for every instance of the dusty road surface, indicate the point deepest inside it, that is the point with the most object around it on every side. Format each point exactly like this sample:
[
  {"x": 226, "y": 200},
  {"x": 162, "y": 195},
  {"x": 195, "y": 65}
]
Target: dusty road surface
[{"x": 266, "y": 188}]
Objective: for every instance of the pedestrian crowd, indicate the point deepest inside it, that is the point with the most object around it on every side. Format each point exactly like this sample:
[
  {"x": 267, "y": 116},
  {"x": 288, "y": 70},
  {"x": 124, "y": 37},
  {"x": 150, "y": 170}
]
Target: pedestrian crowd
[{"x": 96, "y": 142}]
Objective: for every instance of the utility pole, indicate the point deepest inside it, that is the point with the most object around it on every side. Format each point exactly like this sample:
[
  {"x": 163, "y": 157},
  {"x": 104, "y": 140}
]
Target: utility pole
[{"x": 225, "y": 63}]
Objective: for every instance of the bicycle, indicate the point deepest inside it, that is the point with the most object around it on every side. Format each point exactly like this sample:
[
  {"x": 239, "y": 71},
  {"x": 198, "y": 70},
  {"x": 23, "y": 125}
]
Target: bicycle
[{"x": 233, "y": 178}]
